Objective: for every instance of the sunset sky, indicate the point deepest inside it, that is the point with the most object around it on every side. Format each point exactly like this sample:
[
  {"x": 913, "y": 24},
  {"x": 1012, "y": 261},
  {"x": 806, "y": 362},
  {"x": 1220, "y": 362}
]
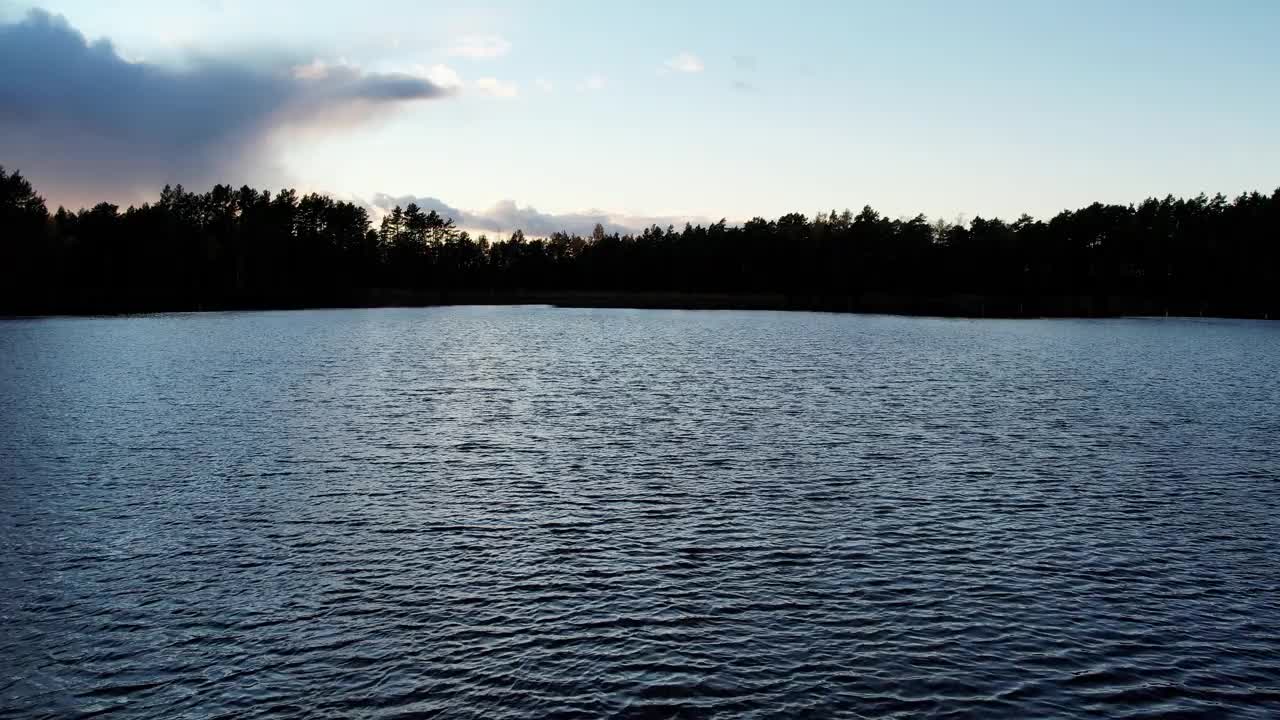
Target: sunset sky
[{"x": 562, "y": 113}]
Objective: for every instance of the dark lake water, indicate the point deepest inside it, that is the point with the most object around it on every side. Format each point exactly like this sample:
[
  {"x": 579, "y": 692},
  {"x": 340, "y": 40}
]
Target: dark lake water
[{"x": 534, "y": 512}]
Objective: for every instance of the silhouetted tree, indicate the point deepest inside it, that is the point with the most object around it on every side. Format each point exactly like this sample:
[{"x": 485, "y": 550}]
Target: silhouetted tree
[{"x": 249, "y": 247}]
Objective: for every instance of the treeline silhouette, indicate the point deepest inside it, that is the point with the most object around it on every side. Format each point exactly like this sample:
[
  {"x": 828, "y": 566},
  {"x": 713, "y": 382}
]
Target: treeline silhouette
[{"x": 231, "y": 248}]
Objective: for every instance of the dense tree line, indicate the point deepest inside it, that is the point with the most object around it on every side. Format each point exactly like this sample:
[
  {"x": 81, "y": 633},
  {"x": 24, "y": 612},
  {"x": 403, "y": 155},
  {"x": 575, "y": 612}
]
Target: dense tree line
[{"x": 228, "y": 248}]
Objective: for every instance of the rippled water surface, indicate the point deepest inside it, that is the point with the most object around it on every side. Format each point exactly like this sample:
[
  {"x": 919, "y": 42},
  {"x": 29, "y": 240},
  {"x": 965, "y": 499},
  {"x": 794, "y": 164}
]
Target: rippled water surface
[{"x": 535, "y": 512}]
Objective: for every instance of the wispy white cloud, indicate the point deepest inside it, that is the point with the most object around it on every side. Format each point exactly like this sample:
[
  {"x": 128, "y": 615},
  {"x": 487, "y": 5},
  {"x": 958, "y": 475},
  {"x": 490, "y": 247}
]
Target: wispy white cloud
[
  {"x": 544, "y": 84},
  {"x": 496, "y": 87},
  {"x": 440, "y": 75},
  {"x": 594, "y": 81},
  {"x": 479, "y": 47},
  {"x": 685, "y": 62}
]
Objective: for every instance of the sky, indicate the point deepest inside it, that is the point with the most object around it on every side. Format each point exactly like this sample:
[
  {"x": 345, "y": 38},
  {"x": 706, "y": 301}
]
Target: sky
[{"x": 546, "y": 114}]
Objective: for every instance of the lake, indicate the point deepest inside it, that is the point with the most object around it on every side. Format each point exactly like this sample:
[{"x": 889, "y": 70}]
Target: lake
[{"x": 510, "y": 512}]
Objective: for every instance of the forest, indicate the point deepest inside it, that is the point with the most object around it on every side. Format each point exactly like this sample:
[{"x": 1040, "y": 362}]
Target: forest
[{"x": 245, "y": 248}]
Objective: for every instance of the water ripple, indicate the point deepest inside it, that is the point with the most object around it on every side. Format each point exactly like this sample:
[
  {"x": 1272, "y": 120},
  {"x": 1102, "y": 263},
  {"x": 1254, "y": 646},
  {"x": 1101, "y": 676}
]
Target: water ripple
[{"x": 528, "y": 512}]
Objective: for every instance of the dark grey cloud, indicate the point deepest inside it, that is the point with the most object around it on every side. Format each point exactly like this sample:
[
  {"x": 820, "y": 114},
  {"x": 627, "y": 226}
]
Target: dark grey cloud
[
  {"x": 507, "y": 216},
  {"x": 86, "y": 124}
]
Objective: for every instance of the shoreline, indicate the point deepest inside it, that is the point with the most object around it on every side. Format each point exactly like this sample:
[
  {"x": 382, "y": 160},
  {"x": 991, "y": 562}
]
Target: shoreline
[{"x": 955, "y": 305}]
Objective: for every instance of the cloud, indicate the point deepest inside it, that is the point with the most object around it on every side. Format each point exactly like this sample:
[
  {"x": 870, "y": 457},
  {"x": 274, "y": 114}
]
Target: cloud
[
  {"x": 593, "y": 82},
  {"x": 506, "y": 216},
  {"x": 479, "y": 47},
  {"x": 85, "y": 124},
  {"x": 496, "y": 88},
  {"x": 442, "y": 76},
  {"x": 544, "y": 85},
  {"x": 685, "y": 62}
]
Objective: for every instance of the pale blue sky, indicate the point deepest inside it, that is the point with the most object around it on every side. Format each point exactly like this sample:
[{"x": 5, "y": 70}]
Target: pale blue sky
[{"x": 936, "y": 107}]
